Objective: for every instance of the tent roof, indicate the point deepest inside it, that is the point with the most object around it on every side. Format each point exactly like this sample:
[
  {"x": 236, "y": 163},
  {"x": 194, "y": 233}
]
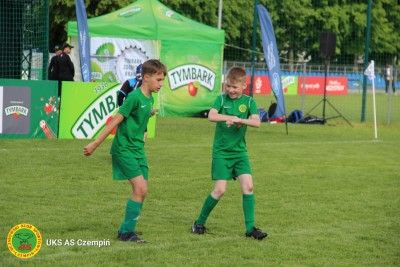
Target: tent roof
[{"x": 151, "y": 20}]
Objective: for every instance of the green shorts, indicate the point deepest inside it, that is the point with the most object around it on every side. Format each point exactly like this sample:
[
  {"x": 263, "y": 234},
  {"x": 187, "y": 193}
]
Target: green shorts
[
  {"x": 126, "y": 168},
  {"x": 226, "y": 169}
]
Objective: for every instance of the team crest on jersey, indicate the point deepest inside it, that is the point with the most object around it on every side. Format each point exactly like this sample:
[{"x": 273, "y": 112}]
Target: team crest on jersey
[{"x": 242, "y": 108}]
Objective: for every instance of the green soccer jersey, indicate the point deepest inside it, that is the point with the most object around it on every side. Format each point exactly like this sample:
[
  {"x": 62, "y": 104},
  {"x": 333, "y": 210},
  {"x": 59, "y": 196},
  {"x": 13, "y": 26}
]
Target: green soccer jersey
[
  {"x": 229, "y": 142},
  {"x": 128, "y": 139}
]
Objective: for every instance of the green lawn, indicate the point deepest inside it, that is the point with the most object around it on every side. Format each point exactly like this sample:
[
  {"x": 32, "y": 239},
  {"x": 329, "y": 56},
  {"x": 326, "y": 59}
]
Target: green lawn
[{"x": 327, "y": 195}]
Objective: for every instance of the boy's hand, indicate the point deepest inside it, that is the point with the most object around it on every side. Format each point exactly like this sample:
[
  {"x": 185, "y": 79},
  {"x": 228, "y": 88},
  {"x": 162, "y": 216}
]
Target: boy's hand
[
  {"x": 234, "y": 120},
  {"x": 89, "y": 149},
  {"x": 238, "y": 125},
  {"x": 229, "y": 123},
  {"x": 153, "y": 112}
]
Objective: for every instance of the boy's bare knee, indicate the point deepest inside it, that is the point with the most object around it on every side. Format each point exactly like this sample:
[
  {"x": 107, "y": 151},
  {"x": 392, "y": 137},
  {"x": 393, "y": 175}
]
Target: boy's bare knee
[
  {"x": 218, "y": 193},
  {"x": 142, "y": 192},
  {"x": 250, "y": 190}
]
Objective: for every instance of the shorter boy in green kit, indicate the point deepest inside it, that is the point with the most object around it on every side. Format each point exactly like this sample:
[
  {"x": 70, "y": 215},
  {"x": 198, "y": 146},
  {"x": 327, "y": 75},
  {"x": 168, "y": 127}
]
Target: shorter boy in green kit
[
  {"x": 127, "y": 150},
  {"x": 233, "y": 112}
]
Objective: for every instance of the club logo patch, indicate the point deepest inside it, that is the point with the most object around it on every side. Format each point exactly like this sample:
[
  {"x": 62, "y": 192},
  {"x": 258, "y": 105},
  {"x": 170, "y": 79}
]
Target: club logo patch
[
  {"x": 242, "y": 108},
  {"x": 24, "y": 240}
]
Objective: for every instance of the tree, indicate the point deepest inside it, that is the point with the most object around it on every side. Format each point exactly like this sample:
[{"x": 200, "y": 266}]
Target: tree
[
  {"x": 297, "y": 25},
  {"x": 203, "y": 11},
  {"x": 387, "y": 39},
  {"x": 291, "y": 20},
  {"x": 62, "y": 11}
]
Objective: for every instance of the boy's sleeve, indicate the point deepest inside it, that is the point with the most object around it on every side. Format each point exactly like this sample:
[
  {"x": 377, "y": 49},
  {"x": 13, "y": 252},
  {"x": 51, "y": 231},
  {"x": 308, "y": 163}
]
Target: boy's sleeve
[
  {"x": 218, "y": 103},
  {"x": 129, "y": 106},
  {"x": 253, "y": 107}
]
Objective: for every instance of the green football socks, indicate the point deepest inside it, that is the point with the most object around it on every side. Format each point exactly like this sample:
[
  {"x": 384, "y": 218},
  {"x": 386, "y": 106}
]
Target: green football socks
[
  {"x": 132, "y": 213},
  {"x": 248, "y": 209},
  {"x": 208, "y": 206}
]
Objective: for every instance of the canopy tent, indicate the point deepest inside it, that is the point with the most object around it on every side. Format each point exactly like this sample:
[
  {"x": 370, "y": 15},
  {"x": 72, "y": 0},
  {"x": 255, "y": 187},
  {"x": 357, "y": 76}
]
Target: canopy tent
[{"x": 146, "y": 29}]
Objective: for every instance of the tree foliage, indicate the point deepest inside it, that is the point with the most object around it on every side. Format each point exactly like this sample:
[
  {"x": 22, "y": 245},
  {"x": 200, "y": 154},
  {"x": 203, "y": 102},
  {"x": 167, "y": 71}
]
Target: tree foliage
[
  {"x": 62, "y": 11},
  {"x": 297, "y": 25}
]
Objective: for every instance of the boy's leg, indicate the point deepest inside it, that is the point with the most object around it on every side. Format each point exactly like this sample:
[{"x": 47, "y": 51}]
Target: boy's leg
[
  {"x": 246, "y": 182},
  {"x": 132, "y": 214},
  {"x": 211, "y": 201},
  {"x": 134, "y": 205},
  {"x": 209, "y": 204}
]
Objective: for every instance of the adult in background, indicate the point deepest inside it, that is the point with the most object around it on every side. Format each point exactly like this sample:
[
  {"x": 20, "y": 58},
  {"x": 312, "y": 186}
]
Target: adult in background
[
  {"x": 389, "y": 78},
  {"x": 52, "y": 71},
  {"x": 66, "y": 70}
]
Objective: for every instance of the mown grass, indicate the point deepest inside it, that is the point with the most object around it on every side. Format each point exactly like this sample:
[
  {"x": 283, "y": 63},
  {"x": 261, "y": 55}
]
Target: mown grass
[{"x": 328, "y": 196}]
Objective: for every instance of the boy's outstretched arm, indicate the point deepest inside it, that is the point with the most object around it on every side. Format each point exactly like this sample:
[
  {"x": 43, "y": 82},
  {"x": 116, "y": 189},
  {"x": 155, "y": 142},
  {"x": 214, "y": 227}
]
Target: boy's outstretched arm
[
  {"x": 90, "y": 148},
  {"x": 214, "y": 116},
  {"x": 253, "y": 121}
]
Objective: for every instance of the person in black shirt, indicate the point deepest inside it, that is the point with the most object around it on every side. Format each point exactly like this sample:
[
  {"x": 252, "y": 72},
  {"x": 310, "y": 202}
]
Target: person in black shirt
[
  {"x": 52, "y": 71},
  {"x": 66, "y": 70}
]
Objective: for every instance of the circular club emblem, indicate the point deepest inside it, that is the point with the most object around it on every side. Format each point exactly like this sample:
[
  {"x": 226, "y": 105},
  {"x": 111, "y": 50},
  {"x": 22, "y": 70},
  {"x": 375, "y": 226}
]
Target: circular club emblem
[
  {"x": 242, "y": 108},
  {"x": 24, "y": 240},
  {"x": 128, "y": 61}
]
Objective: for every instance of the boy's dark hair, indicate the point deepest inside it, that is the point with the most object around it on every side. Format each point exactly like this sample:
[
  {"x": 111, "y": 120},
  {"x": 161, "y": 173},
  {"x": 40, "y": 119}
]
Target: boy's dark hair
[{"x": 153, "y": 66}]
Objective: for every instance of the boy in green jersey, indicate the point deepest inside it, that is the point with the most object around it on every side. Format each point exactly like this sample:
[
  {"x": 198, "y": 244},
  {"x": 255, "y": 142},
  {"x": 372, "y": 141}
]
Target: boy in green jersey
[
  {"x": 233, "y": 112},
  {"x": 127, "y": 149}
]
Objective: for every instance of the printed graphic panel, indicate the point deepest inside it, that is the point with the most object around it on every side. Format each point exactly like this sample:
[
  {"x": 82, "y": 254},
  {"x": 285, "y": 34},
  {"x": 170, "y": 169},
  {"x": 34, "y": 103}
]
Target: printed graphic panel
[
  {"x": 86, "y": 108},
  {"x": 28, "y": 109}
]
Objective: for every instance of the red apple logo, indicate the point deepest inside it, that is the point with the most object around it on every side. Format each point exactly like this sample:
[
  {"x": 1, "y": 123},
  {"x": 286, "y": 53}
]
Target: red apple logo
[
  {"x": 16, "y": 115},
  {"x": 48, "y": 108},
  {"x": 109, "y": 119},
  {"x": 192, "y": 89},
  {"x": 285, "y": 90}
]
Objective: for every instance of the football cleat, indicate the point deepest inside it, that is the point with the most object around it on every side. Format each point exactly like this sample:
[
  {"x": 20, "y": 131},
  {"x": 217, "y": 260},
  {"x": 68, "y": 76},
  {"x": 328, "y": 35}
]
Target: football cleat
[
  {"x": 256, "y": 234},
  {"x": 130, "y": 237},
  {"x": 198, "y": 229}
]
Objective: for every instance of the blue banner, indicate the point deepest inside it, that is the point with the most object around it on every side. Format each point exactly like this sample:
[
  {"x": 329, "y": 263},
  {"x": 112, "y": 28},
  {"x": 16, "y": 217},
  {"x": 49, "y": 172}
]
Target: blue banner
[
  {"x": 272, "y": 60},
  {"x": 84, "y": 41}
]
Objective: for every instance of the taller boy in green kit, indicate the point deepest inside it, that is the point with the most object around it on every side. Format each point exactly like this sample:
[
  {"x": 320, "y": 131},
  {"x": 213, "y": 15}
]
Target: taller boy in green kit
[
  {"x": 233, "y": 112},
  {"x": 127, "y": 150}
]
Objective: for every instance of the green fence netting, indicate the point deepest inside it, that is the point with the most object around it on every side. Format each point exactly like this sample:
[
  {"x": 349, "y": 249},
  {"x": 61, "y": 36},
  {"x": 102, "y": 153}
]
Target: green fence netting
[{"x": 24, "y": 39}]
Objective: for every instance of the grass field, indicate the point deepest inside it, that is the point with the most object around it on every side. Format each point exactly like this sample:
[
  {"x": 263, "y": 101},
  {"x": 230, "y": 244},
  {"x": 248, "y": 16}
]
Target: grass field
[{"x": 327, "y": 195}]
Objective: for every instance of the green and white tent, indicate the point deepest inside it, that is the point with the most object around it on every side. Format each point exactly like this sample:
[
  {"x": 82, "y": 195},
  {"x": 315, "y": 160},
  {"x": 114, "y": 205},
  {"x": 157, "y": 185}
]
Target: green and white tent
[{"x": 145, "y": 29}]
